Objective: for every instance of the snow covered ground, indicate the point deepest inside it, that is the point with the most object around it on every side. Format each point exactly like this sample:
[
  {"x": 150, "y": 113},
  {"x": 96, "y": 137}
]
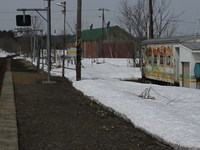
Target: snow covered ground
[
  {"x": 173, "y": 115},
  {"x": 4, "y": 53}
]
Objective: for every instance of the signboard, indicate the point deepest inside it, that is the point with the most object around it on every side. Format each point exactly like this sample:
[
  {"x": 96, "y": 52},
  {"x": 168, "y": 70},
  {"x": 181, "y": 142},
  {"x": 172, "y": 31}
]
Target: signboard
[
  {"x": 23, "y": 20},
  {"x": 71, "y": 52}
]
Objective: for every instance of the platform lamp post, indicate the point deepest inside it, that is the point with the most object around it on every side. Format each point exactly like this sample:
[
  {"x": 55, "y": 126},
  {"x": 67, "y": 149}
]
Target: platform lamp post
[
  {"x": 63, "y": 4},
  {"x": 49, "y": 38}
]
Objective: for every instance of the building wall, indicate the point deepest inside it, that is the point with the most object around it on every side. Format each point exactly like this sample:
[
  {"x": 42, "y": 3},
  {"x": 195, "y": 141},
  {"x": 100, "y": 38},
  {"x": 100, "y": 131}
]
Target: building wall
[
  {"x": 110, "y": 50},
  {"x": 90, "y": 49},
  {"x": 186, "y": 55},
  {"x": 116, "y": 44}
]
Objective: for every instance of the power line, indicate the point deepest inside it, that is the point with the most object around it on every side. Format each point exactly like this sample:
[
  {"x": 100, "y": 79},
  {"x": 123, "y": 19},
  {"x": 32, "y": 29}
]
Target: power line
[
  {"x": 115, "y": 11},
  {"x": 69, "y": 10},
  {"x": 7, "y": 12}
]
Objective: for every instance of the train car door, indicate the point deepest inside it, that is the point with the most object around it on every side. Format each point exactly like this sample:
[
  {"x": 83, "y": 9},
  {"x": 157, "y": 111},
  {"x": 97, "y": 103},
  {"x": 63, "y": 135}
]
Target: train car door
[
  {"x": 185, "y": 74},
  {"x": 176, "y": 63}
]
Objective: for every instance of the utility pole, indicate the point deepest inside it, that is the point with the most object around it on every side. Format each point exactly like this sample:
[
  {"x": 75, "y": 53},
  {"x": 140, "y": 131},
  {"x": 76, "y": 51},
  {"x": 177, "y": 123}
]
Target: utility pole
[
  {"x": 64, "y": 39},
  {"x": 103, "y": 23},
  {"x": 49, "y": 38},
  {"x": 150, "y": 22},
  {"x": 78, "y": 40},
  {"x": 42, "y": 48},
  {"x": 197, "y": 26},
  {"x": 38, "y": 48},
  {"x": 63, "y": 4},
  {"x": 34, "y": 36}
]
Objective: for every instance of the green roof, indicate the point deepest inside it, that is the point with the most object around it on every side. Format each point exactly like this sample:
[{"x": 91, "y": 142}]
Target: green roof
[{"x": 93, "y": 34}]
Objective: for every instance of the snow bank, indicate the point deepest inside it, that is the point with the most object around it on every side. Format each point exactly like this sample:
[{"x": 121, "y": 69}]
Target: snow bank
[
  {"x": 5, "y": 54},
  {"x": 173, "y": 115}
]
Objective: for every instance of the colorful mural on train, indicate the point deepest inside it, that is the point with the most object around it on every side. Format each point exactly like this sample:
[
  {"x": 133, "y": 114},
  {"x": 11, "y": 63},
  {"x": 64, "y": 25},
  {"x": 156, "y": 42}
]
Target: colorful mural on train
[{"x": 175, "y": 61}]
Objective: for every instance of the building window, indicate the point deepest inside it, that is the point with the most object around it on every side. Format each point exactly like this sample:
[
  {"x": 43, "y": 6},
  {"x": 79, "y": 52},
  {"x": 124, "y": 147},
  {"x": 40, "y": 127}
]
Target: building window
[
  {"x": 168, "y": 60},
  {"x": 155, "y": 60}
]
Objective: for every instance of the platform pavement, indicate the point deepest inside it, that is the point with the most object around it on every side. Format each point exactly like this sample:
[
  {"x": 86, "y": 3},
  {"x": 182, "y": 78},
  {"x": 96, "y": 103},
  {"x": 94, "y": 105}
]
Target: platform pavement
[{"x": 8, "y": 123}]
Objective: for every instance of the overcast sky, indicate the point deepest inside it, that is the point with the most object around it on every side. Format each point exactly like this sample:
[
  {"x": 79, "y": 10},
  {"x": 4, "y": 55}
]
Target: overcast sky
[{"x": 189, "y": 8}]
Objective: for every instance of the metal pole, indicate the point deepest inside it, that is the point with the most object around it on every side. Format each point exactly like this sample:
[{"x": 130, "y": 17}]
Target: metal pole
[
  {"x": 34, "y": 42},
  {"x": 42, "y": 50},
  {"x": 31, "y": 48},
  {"x": 78, "y": 34},
  {"x": 102, "y": 32},
  {"x": 64, "y": 39},
  {"x": 34, "y": 37},
  {"x": 150, "y": 36},
  {"x": 103, "y": 20},
  {"x": 49, "y": 37},
  {"x": 38, "y": 52},
  {"x": 103, "y": 23}
]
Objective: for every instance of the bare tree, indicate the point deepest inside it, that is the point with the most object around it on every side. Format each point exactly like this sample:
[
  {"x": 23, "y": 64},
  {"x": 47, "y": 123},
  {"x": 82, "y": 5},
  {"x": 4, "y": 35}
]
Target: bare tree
[
  {"x": 134, "y": 18},
  {"x": 37, "y": 23},
  {"x": 165, "y": 21}
]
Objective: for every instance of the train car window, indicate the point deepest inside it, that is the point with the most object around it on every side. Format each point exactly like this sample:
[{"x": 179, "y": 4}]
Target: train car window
[
  {"x": 150, "y": 59},
  {"x": 168, "y": 60},
  {"x": 155, "y": 60},
  {"x": 161, "y": 60}
]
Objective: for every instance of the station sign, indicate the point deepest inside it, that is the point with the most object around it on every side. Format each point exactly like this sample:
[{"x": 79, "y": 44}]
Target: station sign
[
  {"x": 71, "y": 52},
  {"x": 23, "y": 20}
]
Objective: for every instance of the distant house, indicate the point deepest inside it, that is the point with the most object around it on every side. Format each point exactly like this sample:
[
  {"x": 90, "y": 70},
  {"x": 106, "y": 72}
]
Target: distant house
[{"x": 111, "y": 42}]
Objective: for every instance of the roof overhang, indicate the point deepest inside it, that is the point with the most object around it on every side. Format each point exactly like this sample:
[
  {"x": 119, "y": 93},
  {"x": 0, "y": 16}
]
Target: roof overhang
[{"x": 196, "y": 51}]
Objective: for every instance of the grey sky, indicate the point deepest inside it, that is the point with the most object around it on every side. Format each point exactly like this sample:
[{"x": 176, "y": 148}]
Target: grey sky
[{"x": 189, "y": 8}]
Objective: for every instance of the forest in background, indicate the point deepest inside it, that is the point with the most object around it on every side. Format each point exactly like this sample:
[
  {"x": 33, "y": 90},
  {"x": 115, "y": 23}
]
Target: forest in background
[{"x": 11, "y": 42}]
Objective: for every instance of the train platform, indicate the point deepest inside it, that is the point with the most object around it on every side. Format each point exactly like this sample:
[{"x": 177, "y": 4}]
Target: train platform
[
  {"x": 8, "y": 125},
  {"x": 55, "y": 116}
]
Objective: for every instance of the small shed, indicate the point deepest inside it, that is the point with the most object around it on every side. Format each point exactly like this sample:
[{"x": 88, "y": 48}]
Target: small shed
[
  {"x": 109, "y": 42},
  {"x": 174, "y": 60}
]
